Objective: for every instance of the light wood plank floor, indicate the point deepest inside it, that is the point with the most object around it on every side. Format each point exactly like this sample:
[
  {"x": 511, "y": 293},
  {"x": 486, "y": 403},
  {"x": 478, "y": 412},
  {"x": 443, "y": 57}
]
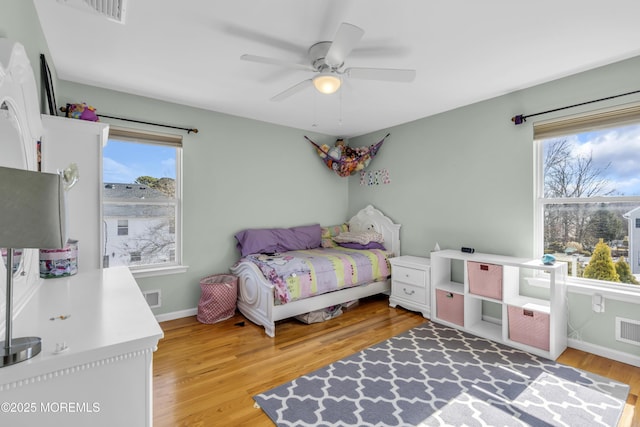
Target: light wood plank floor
[{"x": 206, "y": 375}]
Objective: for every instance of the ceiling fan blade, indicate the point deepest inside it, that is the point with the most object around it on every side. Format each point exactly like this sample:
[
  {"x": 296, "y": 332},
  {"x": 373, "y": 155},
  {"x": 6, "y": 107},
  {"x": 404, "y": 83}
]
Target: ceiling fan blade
[
  {"x": 255, "y": 36},
  {"x": 345, "y": 40},
  {"x": 274, "y": 61},
  {"x": 292, "y": 90},
  {"x": 386, "y": 74}
]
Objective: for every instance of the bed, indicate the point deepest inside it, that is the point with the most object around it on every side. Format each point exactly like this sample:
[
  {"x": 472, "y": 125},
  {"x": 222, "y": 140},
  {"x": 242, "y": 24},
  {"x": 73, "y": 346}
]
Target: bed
[{"x": 257, "y": 299}]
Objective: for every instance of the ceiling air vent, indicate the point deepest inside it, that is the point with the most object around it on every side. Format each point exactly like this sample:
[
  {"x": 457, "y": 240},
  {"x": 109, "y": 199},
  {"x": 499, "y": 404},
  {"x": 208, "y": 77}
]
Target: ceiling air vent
[{"x": 111, "y": 9}]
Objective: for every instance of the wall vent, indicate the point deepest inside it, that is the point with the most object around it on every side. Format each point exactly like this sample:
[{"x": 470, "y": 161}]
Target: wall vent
[
  {"x": 628, "y": 330},
  {"x": 113, "y": 10},
  {"x": 154, "y": 298}
]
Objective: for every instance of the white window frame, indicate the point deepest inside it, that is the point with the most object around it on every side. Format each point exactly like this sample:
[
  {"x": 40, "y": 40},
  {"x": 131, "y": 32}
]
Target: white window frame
[
  {"x": 595, "y": 120},
  {"x": 139, "y": 137}
]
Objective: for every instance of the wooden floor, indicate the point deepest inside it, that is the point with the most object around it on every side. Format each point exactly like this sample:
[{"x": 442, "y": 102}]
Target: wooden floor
[{"x": 206, "y": 375}]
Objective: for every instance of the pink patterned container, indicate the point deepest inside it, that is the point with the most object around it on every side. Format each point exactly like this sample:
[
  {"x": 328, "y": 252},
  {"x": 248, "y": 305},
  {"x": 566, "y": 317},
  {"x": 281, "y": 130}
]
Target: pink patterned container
[
  {"x": 529, "y": 327},
  {"x": 59, "y": 262},
  {"x": 485, "y": 279},
  {"x": 218, "y": 298},
  {"x": 450, "y": 307}
]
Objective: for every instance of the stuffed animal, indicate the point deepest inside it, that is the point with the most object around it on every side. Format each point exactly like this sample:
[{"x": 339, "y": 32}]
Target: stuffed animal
[
  {"x": 345, "y": 160},
  {"x": 81, "y": 111}
]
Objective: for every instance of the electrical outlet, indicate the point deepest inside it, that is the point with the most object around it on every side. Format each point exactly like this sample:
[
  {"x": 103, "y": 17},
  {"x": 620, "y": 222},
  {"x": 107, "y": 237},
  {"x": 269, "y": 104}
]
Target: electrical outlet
[{"x": 597, "y": 303}]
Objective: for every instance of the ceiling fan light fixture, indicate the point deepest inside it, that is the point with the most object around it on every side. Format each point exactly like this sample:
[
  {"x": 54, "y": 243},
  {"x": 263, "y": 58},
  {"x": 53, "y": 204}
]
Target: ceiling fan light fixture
[{"x": 327, "y": 83}]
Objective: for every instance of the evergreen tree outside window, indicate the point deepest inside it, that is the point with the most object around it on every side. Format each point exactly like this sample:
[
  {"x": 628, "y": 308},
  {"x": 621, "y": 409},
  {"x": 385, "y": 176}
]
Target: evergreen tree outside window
[{"x": 588, "y": 194}]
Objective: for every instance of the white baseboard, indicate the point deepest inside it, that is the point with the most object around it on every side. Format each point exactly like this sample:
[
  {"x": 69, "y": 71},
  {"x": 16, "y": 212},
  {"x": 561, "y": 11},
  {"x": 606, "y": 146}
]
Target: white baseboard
[
  {"x": 604, "y": 352},
  {"x": 177, "y": 314}
]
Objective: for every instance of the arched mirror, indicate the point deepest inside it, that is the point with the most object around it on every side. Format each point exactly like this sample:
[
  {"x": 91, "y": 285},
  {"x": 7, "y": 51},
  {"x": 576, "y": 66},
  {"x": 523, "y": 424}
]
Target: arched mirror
[
  {"x": 13, "y": 156},
  {"x": 20, "y": 130}
]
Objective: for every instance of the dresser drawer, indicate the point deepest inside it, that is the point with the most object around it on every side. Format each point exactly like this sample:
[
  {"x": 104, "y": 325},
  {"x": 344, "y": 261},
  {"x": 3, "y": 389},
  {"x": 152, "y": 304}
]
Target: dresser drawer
[
  {"x": 408, "y": 275},
  {"x": 417, "y": 294}
]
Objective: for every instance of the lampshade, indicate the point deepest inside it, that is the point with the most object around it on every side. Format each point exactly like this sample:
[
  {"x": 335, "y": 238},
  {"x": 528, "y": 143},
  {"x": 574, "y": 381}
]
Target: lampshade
[
  {"x": 31, "y": 209},
  {"x": 327, "y": 83},
  {"x": 31, "y": 216}
]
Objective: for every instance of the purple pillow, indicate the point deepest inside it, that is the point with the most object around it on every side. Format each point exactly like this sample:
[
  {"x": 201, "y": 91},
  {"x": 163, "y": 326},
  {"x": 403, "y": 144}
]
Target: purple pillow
[
  {"x": 370, "y": 245},
  {"x": 268, "y": 240}
]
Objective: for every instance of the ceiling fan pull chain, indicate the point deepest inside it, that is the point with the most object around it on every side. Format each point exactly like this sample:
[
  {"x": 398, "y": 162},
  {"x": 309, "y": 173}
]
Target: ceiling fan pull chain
[{"x": 340, "y": 119}]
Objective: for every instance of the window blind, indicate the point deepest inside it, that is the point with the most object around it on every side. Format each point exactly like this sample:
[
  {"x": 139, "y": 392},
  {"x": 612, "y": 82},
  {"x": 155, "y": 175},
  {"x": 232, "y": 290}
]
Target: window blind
[
  {"x": 136, "y": 135},
  {"x": 619, "y": 116}
]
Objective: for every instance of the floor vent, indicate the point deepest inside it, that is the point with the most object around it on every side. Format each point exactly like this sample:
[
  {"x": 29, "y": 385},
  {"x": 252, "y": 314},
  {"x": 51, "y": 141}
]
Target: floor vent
[
  {"x": 153, "y": 298},
  {"x": 628, "y": 330},
  {"x": 111, "y": 9}
]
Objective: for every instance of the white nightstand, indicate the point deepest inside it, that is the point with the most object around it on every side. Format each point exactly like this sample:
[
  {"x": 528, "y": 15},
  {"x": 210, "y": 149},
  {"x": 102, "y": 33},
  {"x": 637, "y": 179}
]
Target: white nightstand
[{"x": 410, "y": 283}]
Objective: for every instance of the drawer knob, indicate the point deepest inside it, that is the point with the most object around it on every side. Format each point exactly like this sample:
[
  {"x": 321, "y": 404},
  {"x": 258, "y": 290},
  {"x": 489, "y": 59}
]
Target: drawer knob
[{"x": 409, "y": 293}]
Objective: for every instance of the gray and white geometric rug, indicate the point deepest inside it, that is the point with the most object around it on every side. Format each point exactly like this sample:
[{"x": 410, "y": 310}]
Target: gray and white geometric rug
[{"x": 433, "y": 375}]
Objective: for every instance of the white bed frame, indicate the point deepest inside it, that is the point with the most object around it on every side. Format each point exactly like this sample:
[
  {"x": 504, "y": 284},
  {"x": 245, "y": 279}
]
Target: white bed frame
[{"x": 256, "y": 299}]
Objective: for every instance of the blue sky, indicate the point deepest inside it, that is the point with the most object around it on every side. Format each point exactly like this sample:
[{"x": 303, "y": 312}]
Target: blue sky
[
  {"x": 123, "y": 162},
  {"x": 618, "y": 146}
]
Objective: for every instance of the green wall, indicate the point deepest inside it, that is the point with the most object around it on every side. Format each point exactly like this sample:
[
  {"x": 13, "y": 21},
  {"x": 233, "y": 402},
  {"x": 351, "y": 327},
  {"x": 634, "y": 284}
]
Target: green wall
[
  {"x": 237, "y": 173},
  {"x": 465, "y": 178}
]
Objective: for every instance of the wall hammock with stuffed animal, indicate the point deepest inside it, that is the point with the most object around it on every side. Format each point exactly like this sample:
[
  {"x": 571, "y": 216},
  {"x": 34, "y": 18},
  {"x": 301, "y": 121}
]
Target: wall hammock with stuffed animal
[{"x": 344, "y": 160}]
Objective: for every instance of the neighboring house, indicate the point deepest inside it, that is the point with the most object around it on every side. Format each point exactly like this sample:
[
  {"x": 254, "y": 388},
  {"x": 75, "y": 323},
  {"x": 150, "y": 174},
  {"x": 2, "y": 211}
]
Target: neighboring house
[
  {"x": 135, "y": 230},
  {"x": 633, "y": 217}
]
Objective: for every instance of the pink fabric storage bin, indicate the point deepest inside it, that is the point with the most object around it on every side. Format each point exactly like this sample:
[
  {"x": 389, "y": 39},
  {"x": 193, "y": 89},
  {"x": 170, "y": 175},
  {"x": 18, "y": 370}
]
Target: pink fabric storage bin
[
  {"x": 219, "y": 294},
  {"x": 450, "y": 307},
  {"x": 485, "y": 279},
  {"x": 529, "y": 327}
]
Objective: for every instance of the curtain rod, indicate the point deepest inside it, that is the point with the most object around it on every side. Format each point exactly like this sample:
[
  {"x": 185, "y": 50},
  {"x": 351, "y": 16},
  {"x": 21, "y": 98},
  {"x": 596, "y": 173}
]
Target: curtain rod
[
  {"x": 521, "y": 118},
  {"x": 188, "y": 130}
]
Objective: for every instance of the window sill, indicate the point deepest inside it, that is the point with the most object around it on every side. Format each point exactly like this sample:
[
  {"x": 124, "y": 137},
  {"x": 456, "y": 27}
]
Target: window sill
[
  {"x": 607, "y": 291},
  {"x": 628, "y": 293},
  {"x": 158, "y": 271}
]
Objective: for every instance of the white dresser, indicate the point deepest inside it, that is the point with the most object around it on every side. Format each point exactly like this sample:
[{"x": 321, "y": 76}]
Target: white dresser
[
  {"x": 104, "y": 377},
  {"x": 410, "y": 283}
]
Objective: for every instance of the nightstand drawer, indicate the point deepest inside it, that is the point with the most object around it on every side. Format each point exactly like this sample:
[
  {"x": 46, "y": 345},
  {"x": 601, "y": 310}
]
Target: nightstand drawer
[
  {"x": 417, "y": 294},
  {"x": 410, "y": 276}
]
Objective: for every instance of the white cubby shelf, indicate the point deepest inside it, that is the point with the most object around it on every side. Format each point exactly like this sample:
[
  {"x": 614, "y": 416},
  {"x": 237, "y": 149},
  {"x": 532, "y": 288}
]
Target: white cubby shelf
[{"x": 489, "y": 316}]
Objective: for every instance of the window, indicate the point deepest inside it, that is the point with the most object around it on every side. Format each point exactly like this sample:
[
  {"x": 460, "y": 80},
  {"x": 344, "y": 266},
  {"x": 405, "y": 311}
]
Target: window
[
  {"x": 142, "y": 200},
  {"x": 123, "y": 224},
  {"x": 135, "y": 256},
  {"x": 588, "y": 195}
]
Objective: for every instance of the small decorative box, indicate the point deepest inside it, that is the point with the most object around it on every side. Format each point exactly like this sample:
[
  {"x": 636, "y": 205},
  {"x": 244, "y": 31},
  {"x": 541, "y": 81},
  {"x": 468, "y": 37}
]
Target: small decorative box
[{"x": 59, "y": 262}]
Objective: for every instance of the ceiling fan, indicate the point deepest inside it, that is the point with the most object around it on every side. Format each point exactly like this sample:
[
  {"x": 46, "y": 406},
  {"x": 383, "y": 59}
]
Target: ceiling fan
[{"x": 327, "y": 61}]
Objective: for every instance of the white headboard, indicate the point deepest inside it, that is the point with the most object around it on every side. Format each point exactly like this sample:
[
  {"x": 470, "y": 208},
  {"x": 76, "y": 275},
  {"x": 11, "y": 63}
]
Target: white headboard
[{"x": 371, "y": 218}]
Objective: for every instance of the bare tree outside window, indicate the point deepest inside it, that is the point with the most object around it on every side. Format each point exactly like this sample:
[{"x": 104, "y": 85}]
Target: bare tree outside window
[{"x": 585, "y": 215}]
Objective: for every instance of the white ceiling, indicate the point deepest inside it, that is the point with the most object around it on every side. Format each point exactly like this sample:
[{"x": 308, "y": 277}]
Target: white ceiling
[{"x": 463, "y": 51}]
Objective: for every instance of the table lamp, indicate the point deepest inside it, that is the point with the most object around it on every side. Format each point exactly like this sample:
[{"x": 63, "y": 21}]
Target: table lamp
[{"x": 31, "y": 216}]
